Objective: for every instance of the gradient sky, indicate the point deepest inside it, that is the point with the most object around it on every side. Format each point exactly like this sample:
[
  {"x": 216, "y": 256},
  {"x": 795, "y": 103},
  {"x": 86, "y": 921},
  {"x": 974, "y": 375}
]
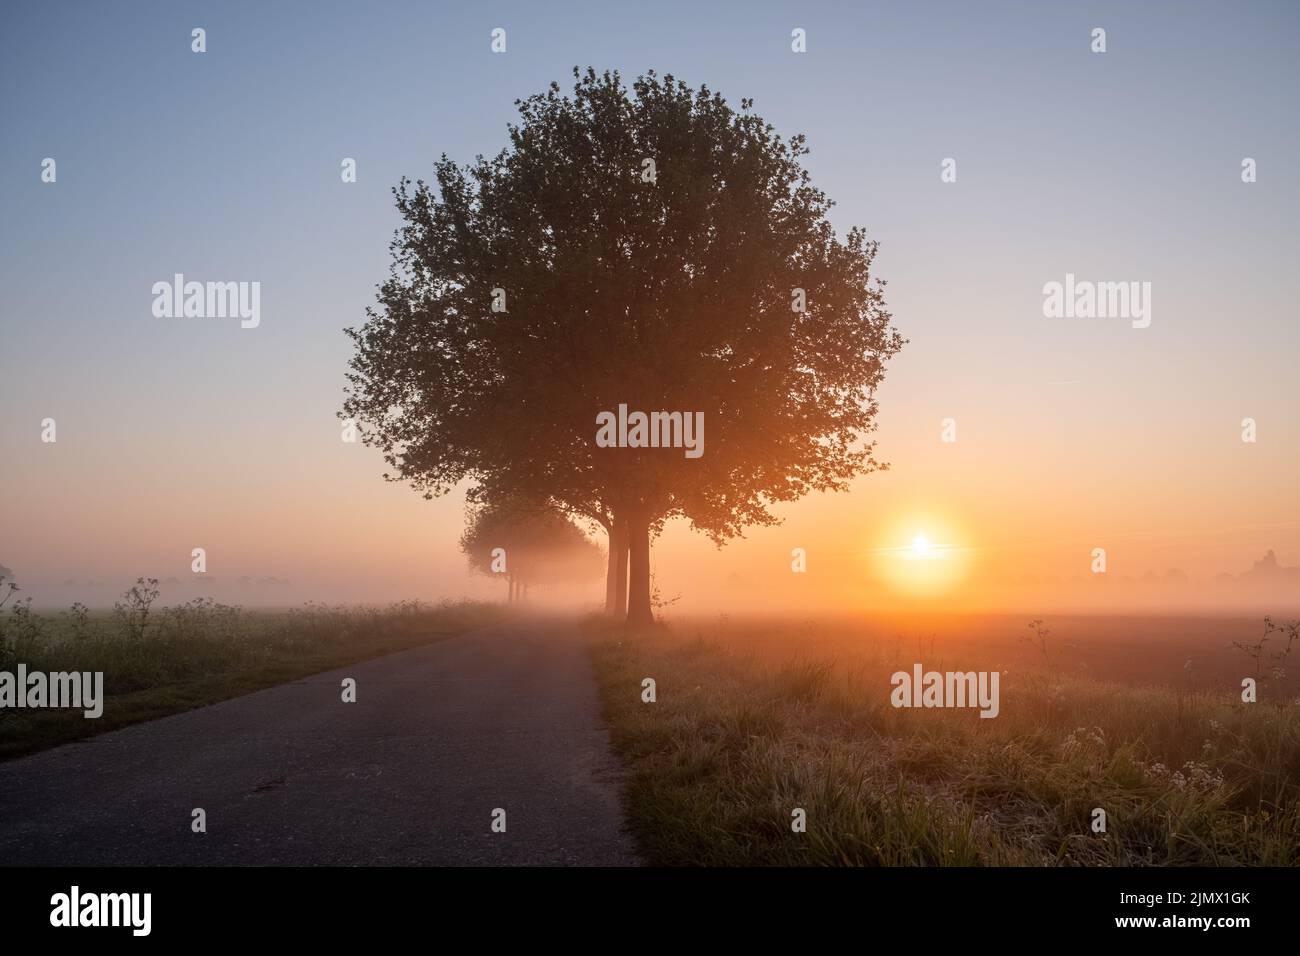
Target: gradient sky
[{"x": 1072, "y": 434}]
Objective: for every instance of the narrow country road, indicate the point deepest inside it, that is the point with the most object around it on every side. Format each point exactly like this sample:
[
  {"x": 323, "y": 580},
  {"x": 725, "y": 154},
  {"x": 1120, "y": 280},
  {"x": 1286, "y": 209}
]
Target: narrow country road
[{"x": 410, "y": 774}]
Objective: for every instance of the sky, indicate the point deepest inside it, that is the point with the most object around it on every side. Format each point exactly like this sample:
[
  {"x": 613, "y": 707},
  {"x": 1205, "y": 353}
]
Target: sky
[{"x": 1072, "y": 433}]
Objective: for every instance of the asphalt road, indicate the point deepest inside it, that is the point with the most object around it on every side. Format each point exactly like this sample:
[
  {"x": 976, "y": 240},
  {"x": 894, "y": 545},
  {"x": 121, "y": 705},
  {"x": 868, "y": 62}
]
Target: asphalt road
[{"x": 439, "y": 737}]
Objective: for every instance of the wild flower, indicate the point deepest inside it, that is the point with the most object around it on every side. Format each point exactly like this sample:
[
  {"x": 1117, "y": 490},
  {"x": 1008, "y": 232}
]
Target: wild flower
[{"x": 1202, "y": 778}]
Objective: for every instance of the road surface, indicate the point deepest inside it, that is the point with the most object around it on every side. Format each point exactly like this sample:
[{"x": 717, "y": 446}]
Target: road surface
[{"x": 410, "y": 774}]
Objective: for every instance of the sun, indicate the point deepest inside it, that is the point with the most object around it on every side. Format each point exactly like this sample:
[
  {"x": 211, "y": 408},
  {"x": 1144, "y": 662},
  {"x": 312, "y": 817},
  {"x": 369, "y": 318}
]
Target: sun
[{"x": 920, "y": 553}]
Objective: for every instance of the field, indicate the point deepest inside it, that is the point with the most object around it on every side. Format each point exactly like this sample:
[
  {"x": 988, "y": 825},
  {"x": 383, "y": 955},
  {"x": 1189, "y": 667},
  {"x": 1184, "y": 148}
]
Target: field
[
  {"x": 160, "y": 661},
  {"x": 1139, "y": 718}
]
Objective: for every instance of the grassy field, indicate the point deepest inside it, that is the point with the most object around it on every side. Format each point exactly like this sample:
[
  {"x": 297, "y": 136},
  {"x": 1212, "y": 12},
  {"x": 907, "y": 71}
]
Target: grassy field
[
  {"x": 160, "y": 661},
  {"x": 753, "y": 721}
]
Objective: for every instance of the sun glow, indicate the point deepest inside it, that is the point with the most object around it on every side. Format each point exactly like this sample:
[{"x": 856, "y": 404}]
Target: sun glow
[{"x": 922, "y": 554}]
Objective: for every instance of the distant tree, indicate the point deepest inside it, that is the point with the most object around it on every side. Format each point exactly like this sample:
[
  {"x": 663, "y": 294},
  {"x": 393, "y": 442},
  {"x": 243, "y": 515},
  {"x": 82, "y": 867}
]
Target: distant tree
[
  {"x": 651, "y": 247},
  {"x": 527, "y": 544}
]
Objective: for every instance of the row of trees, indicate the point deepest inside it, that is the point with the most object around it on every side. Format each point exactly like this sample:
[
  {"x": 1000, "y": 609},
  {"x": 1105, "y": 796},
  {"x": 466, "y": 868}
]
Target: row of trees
[
  {"x": 650, "y": 246},
  {"x": 527, "y": 544}
]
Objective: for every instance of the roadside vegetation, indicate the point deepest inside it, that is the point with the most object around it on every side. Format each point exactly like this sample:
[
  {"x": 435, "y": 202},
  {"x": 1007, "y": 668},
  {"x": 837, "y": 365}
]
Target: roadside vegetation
[
  {"x": 158, "y": 661},
  {"x": 751, "y": 724}
]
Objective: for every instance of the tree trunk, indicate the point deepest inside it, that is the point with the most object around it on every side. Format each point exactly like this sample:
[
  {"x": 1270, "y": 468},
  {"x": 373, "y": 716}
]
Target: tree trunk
[
  {"x": 620, "y": 567},
  {"x": 611, "y": 571},
  {"x": 510, "y": 592},
  {"x": 638, "y": 601}
]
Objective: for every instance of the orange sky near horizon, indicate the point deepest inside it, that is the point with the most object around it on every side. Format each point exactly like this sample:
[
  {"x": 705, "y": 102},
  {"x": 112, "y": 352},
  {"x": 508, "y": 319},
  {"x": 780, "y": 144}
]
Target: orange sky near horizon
[{"x": 1014, "y": 513}]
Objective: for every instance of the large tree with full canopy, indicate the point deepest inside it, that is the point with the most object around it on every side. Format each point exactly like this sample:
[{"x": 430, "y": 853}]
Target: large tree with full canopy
[{"x": 650, "y": 247}]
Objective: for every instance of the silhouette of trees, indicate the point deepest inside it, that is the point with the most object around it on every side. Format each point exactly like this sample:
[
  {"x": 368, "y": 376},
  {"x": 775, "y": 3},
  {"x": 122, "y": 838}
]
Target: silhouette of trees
[
  {"x": 527, "y": 543},
  {"x": 648, "y": 246}
]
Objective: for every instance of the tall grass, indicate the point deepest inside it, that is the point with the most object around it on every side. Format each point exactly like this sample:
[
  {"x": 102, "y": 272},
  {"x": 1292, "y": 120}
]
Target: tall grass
[{"x": 744, "y": 731}]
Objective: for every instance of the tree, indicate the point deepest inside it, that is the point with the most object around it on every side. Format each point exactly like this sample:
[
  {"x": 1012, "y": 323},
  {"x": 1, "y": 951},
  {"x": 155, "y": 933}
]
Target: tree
[
  {"x": 591, "y": 512},
  {"x": 527, "y": 543},
  {"x": 649, "y": 247}
]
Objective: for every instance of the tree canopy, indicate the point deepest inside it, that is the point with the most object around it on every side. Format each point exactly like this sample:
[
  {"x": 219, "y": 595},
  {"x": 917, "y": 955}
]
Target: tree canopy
[{"x": 651, "y": 247}]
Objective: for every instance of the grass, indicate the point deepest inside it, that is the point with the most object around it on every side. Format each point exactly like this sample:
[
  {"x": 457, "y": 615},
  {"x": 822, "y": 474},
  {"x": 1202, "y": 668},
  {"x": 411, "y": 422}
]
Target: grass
[
  {"x": 751, "y": 724},
  {"x": 158, "y": 662}
]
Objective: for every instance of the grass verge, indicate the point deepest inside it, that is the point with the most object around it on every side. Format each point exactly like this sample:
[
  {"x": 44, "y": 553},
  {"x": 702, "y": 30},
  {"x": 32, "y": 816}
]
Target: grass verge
[{"x": 749, "y": 727}]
